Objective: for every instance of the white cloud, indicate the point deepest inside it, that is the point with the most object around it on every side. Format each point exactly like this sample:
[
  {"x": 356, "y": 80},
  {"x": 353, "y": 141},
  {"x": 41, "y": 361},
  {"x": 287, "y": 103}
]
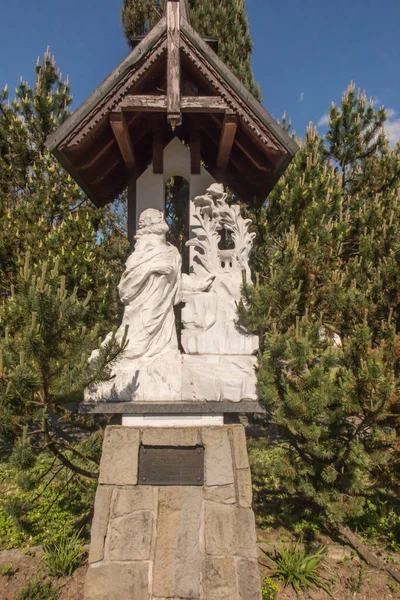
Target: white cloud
[
  {"x": 301, "y": 97},
  {"x": 392, "y": 127},
  {"x": 324, "y": 120}
]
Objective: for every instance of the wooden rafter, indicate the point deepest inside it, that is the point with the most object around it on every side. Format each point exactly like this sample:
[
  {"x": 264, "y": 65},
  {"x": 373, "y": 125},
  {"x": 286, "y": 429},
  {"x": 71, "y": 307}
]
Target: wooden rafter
[
  {"x": 228, "y": 132},
  {"x": 249, "y": 150},
  {"x": 198, "y": 104},
  {"x": 245, "y": 172},
  {"x": 121, "y": 133},
  {"x": 173, "y": 64},
  {"x": 103, "y": 174},
  {"x": 97, "y": 156}
]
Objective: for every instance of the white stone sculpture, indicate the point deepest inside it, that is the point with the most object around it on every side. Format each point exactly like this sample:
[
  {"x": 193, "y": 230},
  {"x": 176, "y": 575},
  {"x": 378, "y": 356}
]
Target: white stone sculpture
[
  {"x": 210, "y": 320},
  {"x": 218, "y": 363}
]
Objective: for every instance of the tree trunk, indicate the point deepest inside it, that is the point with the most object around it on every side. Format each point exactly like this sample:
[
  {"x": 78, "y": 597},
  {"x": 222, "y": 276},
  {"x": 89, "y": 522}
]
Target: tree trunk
[{"x": 365, "y": 553}]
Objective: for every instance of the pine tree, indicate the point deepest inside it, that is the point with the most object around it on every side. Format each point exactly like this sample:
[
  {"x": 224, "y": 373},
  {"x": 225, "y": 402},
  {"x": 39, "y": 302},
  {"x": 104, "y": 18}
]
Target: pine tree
[
  {"x": 42, "y": 210},
  {"x": 326, "y": 306},
  {"x": 225, "y": 20},
  {"x": 46, "y": 330},
  {"x": 43, "y": 365}
]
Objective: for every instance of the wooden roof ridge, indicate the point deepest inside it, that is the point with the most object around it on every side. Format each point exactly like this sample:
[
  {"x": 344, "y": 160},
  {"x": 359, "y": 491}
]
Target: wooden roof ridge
[
  {"x": 127, "y": 121},
  {"x": 183, "y": 7},
  {"x": 233, "y": 82},
  {"x": 57, "y": 137}
]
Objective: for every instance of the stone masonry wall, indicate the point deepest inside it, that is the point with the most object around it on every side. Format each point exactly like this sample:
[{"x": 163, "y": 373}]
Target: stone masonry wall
[{"x": 174, "y": 542}]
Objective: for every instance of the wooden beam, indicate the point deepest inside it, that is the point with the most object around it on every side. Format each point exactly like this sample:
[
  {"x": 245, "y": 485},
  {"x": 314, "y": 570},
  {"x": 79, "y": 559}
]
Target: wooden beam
[
  {"x": 158, "y": 144},
  {"x": 104, "y": 172},
  {"x": 228, "y": 132},
  {"x": 204, "y": 104},
  {"x": 224, "y": 175},
  {"x": 121, "y": 134},
  {"x": 173, "y": 64},
  {"x": 146, "y": 103},
  {"x": 259, "y": 160},
  {"x": 101, "y": 152},
  {"x": 184, "y": 10},
  {"x": 195, "y": 154}
]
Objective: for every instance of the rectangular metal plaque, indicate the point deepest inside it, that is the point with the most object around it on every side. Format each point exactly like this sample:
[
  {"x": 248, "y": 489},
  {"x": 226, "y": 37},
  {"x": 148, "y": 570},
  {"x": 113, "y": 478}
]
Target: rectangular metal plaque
[{"x": 171, "y": 466}]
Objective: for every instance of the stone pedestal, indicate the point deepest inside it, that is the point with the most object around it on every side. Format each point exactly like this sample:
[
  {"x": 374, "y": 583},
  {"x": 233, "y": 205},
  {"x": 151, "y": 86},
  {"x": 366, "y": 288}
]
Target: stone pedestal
[{"x": 174, "y": 542}]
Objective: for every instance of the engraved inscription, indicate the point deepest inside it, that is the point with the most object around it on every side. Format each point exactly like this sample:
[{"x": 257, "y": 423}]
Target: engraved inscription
[{"x": 171, "y": 466}]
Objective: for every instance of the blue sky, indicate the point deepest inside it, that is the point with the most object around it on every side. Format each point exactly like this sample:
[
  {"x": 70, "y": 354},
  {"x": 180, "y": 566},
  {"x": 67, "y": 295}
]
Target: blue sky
[{"x": 305, "y": 51}]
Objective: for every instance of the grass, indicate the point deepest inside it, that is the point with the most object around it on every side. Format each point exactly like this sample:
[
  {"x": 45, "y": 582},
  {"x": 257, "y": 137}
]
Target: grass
[
  {"x": 300, "y": 568},
  {"x": 65, "y": 555},
  {"x": 7, "y": 570},
  {"x": 36, "y": 589}
]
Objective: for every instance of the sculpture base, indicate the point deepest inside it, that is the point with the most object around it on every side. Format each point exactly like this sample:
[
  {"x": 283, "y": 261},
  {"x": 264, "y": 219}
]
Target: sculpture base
[
  {"x": 162, "y": 408},
  {"x": 151, "y": 542},
  {"x": 175, "y": 377}
]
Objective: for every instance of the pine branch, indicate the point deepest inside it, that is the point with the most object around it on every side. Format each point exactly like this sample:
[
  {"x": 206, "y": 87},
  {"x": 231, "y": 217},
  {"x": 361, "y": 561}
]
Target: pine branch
[
  {"x": 48, "y": 483},
  {"x": 51, "y": 445},
  {"x": 67, "y": 463}
]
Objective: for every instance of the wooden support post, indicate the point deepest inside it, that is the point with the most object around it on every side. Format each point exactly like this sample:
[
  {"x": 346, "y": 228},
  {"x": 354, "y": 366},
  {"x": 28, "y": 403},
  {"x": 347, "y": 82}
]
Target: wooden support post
[
  {"x": 158, "y": 144},
  {"x": 173, "y": 64},
  {"x": 195, "y": 155},
  {"x": 132, "y": 210},
  {"x": 121, "y": 134},
  {"x": 227, "y": 138}
]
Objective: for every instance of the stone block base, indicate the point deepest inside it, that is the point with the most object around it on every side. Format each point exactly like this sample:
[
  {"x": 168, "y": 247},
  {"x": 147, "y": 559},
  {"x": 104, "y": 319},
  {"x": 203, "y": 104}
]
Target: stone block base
[{"x": 175, "y": 542}]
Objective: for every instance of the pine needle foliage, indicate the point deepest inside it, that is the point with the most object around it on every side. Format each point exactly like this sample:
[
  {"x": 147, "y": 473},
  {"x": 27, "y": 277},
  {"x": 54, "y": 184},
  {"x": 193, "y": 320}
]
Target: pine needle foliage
[
  {"x": 42, "y": 210},
  {"x": 57, "y": 253},
  {"x": 43, "y": 361},
  {"x": 326, "y": 307}
]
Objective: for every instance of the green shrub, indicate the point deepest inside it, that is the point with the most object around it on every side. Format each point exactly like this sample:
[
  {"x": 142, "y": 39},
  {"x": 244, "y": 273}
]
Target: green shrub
[
  {"x": 17, "y": 508},
  {"x": 49, "y": 504},
  {"x": 380, "y": 522},
  {"x": 270, "y": 589},
  {"x": 7, "y": 570},
  {"x": 38, "y": 590},
  {"x": 64, "y": 556},
  {"x": 300, "y": 568},
  {"x": 22, "y": 457}
]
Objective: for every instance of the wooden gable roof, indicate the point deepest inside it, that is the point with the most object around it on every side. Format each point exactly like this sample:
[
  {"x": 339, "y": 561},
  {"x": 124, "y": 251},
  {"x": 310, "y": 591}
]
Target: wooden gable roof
[{"x": 172, "y": 84}]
